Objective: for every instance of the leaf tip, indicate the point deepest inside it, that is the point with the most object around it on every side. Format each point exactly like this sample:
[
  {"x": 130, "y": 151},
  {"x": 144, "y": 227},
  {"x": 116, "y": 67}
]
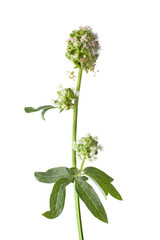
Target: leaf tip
[
  {"x": 36, "y": 175},
  {"x": 121, "y": 198},
  {"x": 26, "y": 109},
  {"x": 47, "y": 214}
]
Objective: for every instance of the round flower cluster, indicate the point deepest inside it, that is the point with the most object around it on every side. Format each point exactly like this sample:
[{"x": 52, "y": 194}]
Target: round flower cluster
[
  {"x": 65, "y": 100},
  {"x": 83, "y": 48},
  {"x": 87, "y": 147}
]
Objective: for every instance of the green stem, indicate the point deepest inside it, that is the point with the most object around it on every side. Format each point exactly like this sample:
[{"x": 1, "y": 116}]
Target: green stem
[
  {"x": 74, "y": 138},
  {"x": 75, "y": 114},
  {"x": 82, "y": 164}
]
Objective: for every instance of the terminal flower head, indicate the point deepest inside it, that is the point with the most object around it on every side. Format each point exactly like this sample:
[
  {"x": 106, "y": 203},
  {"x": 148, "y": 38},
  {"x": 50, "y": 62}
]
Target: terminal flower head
[{"x": 83, "y": 48}]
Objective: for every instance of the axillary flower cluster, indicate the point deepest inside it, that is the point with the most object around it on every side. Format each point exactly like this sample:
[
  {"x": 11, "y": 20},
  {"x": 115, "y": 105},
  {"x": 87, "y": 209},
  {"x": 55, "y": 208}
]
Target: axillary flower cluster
[
  {"x": 65, "y": 100},
  {"x": 83, "y": 48},
  {"x": 87, "y": 147}
]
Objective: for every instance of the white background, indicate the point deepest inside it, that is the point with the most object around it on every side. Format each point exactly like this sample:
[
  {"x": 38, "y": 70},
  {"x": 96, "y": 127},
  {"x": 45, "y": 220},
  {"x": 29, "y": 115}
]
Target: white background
[{"x": 121, "y": 105}]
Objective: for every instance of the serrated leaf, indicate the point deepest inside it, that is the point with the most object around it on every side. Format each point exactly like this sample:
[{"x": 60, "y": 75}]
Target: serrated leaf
[
  {"x": 52, "y": 175},
  {"x": 57, "y": 198},
  {"x": 90, "y": 198},
  {"x": 98, "y": 174}
]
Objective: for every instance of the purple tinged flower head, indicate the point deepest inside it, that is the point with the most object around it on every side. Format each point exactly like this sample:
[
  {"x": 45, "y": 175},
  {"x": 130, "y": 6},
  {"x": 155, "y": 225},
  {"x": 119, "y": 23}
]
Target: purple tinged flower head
[{"x": 83, "y": 48}]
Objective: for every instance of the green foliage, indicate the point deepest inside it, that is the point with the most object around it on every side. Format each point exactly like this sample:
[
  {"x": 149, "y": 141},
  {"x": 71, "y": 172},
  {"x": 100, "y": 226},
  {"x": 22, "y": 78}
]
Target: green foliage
[
  {"x": 103, "y": 180},
  {"x": 84, "y": 178},
  {"x": 62, "y": 176},
  {"x": 57, "y": 198},
  {"x": 44, "y": 109},
  {"x": 90, "y": 198},
  {"x": 73, "y": 171},
  {"x": 96, "y": 173},
  {"x": 113, "y": 191},
  {"x": 52, "y": 175}
]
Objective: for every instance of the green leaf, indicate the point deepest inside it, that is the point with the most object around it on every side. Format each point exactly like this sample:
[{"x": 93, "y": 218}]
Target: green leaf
[
  {"x": 52, "y": 175},
  {"x": 90, "y": 198},
  {"x": 100, "y": 184},
  {"x": 103, "y": 180},
  {"x": 113, "y": 191},
  {"x": 73, "y": 170},
  {"x": 57, "y": 198},
  {"x": 31, "y": 109},
  {"x": 43, "y": 108},
  {"x": 44, "y": 111},
  {"x": 84, "y": 178},
  {"x": 96, "y": 173}
]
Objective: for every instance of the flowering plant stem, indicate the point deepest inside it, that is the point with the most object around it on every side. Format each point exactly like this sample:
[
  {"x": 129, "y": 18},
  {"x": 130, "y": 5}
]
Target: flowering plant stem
[
  {"x": 74, "y": 138},
  {"x": 83, "y": 49}
]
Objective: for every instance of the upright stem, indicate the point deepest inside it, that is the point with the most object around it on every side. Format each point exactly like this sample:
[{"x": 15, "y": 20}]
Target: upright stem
[
  {"x": 82, "y": 164},
  {"x": 75, "y": 114},
  {"x": 74, "y": 138}
]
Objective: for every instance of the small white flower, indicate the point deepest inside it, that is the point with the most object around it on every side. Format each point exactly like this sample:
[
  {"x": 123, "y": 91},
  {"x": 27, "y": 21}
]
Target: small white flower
[
  {"x": 75, "y": 43},
  {"x": 96, "y": 35},
  {"x": 63, "y": 93},
  {"x": 93, "y": 148},
  {"x": 83, "y": 38},
  {"x": 60, "y": 86},
  {"x": 64, "y": 106},
  {"x": 88, "y": 28},
  {"x": 93, "y": 52},
  {"x": 75, "y": 55},
  {"x": 88, "y": 135},
  {"x": 93, "y": 151},
  {"x": 60, "y": 99},
  {"x": 73, "y": 39},
  {"x": 53, "y": 100},
  {"x": 100, "y": 147}
]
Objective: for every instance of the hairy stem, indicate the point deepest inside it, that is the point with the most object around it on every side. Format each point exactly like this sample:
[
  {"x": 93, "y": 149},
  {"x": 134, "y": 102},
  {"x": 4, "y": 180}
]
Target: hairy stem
[{"x": 74, "y": 164}]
